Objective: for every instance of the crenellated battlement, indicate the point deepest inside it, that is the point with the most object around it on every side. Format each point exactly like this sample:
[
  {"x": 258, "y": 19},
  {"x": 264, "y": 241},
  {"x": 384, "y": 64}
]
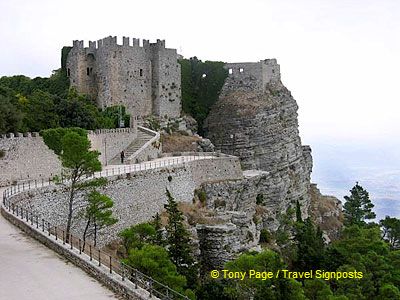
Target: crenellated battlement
[
  {"x": 111, "y": 41},
  {"x": 19, "y": 135}
]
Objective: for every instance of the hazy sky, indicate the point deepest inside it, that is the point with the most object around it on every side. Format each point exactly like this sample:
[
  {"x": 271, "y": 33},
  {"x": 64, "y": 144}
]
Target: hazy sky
[{"x": 340, "y": 58}]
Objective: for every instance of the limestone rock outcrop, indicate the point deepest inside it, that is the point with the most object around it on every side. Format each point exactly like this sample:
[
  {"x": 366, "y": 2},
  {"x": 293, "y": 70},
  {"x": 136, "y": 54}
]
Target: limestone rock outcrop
[{"x": 261, "y": 128}]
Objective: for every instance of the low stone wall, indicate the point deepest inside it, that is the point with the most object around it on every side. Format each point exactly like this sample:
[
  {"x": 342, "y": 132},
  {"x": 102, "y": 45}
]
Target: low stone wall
[
  {"x": 26, "y": 157},
  {"x": 110, "y": 142},
  {"x": 113, "y": 281},
  {"x": 137, "y": 196}
]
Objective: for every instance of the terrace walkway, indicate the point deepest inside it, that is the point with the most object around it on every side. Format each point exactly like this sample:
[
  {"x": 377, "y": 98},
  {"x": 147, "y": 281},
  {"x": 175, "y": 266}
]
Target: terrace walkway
[{"x": 29, "y": 270}]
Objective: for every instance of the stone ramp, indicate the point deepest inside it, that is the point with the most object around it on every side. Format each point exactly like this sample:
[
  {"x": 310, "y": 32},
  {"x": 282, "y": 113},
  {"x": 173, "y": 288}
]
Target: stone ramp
[{"x": 142, "y": 138}]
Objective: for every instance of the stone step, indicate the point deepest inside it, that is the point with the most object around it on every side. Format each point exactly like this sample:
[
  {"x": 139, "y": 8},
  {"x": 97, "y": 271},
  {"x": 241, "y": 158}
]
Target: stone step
[{"x": 141, "y": 139}]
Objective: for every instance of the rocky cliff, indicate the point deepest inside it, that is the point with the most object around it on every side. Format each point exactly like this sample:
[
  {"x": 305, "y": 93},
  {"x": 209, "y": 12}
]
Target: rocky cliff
[{"x": 255, "y": 119}]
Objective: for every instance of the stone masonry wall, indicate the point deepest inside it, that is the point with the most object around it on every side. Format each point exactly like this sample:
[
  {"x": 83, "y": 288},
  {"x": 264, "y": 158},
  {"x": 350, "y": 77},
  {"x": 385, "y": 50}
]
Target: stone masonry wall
[
  {"x": 110, "y": 142},
  {"x": 27, "y": 158},
  {"x": 137, "y": 196},
  {"x": 145, "y": 79}
]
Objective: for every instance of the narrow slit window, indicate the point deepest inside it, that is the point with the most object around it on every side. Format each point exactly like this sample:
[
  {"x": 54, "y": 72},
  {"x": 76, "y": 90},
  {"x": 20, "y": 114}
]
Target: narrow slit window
[
  {"x": 87, "y": 71},
  {"x": 68, "y": 72},
  {"x": 141, "y": 72}
]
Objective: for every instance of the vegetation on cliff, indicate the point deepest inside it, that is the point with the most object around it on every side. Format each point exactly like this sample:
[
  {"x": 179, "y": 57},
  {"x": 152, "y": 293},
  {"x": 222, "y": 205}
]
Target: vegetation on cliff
[
  {"x": 363, "y": 247},
  {"x": 201, "y": 85}
]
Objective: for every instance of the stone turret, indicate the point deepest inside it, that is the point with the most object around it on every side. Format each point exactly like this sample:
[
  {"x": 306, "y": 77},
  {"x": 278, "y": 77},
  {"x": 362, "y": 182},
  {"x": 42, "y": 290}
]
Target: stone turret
[{"x": 145, "y": 79}]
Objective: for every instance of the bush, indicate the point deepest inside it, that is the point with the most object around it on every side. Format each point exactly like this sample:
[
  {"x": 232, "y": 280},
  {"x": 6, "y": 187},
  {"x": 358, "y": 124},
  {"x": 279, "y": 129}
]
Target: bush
[{"x": 265, "y": 236}]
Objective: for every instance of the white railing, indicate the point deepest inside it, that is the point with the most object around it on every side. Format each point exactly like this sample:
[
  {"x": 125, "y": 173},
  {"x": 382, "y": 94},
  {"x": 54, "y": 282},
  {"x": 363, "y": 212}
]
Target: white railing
[{"x": 156, "y": 137}]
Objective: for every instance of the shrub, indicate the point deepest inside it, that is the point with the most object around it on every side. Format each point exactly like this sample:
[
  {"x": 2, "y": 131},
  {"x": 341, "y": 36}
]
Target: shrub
[{"x": 265, "y": 236}]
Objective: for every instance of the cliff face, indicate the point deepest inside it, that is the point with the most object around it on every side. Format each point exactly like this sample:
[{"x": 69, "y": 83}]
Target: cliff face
[
  {"x": 255, "y": 119},
  {"x": 261, "y": 128}
]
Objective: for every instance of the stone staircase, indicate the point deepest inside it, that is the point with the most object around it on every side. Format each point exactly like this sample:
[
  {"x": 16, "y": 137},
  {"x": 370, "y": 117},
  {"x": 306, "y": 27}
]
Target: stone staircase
[{"x": 142, "y": 138}]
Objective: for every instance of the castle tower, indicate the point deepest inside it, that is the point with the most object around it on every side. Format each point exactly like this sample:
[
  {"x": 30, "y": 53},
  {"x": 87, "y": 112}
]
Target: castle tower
[{"x": 145, "y": 79}]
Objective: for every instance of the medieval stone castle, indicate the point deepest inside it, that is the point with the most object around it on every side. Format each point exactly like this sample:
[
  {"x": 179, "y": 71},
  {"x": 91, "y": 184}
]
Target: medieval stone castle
[{"x": 145, "y": 79}]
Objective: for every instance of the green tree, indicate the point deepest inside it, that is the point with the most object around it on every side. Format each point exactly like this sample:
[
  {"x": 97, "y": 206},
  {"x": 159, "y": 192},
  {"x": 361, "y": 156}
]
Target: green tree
[
  {"x": 178, "y": 242},
  {"x": 358, "y": 207},
  {"x": 250, "y": 288},
  {"x": 317, "y": 289},
  {"x": 159, "y": 237},
  {"x": 10, "y": 116},
  {"x": 391, "y": 231},
  {"x": 79, "y": 162},
  {"x": 154, "y": 261},
  {"x": 98, "y": 214},
  {"x": 135, "y": 237},
  {"x": 310, "y": 246},
  {"x": 39, "y": 111}
]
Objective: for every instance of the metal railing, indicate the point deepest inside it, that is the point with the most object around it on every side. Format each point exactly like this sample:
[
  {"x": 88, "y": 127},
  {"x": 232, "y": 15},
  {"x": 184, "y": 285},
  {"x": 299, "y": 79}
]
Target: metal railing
[
  {"x": 74, "y": 243},
  {"x": 104, "y": 259}
]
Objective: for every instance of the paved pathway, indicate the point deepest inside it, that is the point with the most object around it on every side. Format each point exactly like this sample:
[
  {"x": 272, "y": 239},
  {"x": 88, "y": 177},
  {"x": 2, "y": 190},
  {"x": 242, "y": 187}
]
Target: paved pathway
[{"x": 29, "y": 270}]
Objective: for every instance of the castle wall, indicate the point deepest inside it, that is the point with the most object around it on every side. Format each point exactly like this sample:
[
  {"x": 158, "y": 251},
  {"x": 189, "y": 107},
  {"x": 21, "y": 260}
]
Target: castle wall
[
  {"x": 27, "y": 158},
  {"x": 110, "y": 142},
  {"x": 166, "y": 81},
  {"x": 251, "y": 77},
  {"x": 145, "y": 79},
  {"x": 136, "y": 196}
]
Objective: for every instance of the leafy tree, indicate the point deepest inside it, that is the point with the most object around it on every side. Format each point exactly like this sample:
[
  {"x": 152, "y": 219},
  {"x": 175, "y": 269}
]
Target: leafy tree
[
  {"x": 389, "y": 292},
  {"x": 358, "y": 206},
  {"x": 310, "y": 246},
  {"x": 135, "y": 237},
  {"x": 79, "y": 162},
  {"x": 53, "y": 137},
  {"x": 178, "y": 241},
  {"x": 391, "y": 231},
  {"x": 98, "y": 214},
  {"x": 250, "y": 288},
  {"x": 154, "y": 261},
  {"x": 39, "y": 111},
  {"x": 10, "y": 116},
  {"x": 159, "y": 237},
  {"x": 317, "y": 289}
]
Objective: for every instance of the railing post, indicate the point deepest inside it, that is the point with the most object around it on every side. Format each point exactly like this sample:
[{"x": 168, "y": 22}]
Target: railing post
[
  {"x": 136, "y": 286},
  {"x": 31, "y": 218},
  {"x": 90, "y": 252},
  {"x": 99, "y": 258},
  {"x": 22, "y": 213},
  {"x": 79, "y": 244},
  {"x": 43, "y": 225},
  {"x": 110, "y": 265},
  {"x": 121, "y": 266},
  {"x": 37, "y": 221},
  {"x": 63, "y": 233},
  {"x": 71, "y": 240},
  {"x": 48, "y": 227},
  {"x": 27, "y": 215},
  {"x": 55, "y": 231}
]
